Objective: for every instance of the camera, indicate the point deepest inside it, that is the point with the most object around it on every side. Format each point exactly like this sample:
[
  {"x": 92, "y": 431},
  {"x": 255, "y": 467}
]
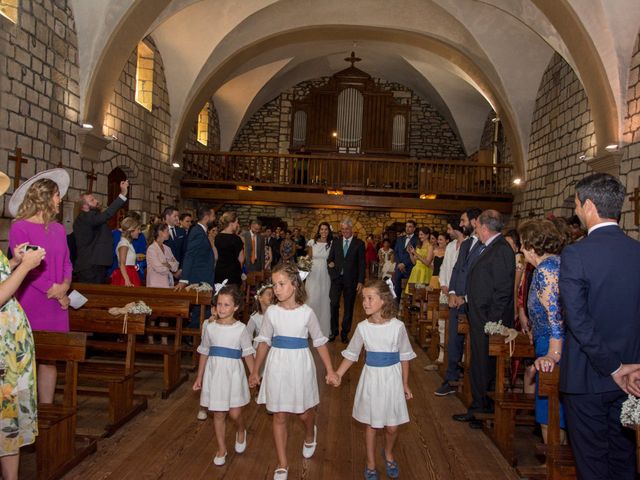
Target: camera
[{"x": 31, "y": 247}]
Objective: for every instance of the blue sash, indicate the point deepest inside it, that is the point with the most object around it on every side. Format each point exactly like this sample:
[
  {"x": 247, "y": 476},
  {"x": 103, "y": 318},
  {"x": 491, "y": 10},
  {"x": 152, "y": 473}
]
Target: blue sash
[
  {"x": 225, "y": 352},
  {"x": 289, "y": 342},
  {"x": 382, "y": 359}
]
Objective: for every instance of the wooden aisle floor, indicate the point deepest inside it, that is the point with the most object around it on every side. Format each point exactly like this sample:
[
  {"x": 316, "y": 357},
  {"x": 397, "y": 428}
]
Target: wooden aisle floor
[{"x": 168, "y": 442}]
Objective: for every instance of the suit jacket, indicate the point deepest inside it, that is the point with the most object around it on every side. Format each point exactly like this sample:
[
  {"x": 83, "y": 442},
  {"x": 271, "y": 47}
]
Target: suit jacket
[
  {"x": 199, "y": 262},
  {"x": 400, "y": 251},
  {"x": 248, "y": 252},
  {"x": 599, "y": 285},
  {"x": 352, "y": 266},
  {"x": 178, "y": 244},
  {"x": 94, "y": 242},
  {"x": 490, "y": 284},
  {"x": 458, "y": 280}
]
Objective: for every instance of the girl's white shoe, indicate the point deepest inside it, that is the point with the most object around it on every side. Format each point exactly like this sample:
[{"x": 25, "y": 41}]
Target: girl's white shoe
[
  {"x": 220, "y": 461},
  {"x": 202, "y": 415},
  {"x": 281, "y": 474},
  {"x": 241, "y": 447},
  {"x": 308, "y": 449}
]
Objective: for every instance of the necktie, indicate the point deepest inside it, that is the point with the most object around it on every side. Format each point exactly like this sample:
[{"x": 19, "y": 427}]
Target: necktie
[
  {"x": 406, "y": 242},
  {"x": 173, "y": 233},
  {"x": 254, "y": 255},
  {"x": 345, "y": 247}
]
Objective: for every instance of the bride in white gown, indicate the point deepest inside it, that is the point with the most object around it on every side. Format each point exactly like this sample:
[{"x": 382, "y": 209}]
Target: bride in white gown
[{"x": 318, "y": 282}]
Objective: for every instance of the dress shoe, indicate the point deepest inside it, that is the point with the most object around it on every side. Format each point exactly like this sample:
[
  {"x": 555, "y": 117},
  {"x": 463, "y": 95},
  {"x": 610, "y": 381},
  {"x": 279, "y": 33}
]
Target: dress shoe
[
  {"x": 463, "y": 417},
  {"x": 476, "y": 424}
]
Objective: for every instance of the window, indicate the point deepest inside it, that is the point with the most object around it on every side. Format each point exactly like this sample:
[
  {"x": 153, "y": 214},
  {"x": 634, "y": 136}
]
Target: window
[
  {"x": 203, "y": 125},
  {"x": 9, "y": 9},
  {"x": 144, "y": 76},
  {"x": 299, "y": 129}
]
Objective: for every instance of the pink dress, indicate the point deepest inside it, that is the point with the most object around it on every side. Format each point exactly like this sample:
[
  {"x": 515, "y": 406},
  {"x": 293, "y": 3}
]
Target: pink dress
[
  {"x": 158, "y": 275},
  {"x": 43, "y": 313}
]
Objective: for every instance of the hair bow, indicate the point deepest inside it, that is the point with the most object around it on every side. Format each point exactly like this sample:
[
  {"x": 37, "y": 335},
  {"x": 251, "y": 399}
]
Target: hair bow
[
  {"x": 390, "y": 285},
  {"x": 303, "y": 275},
  {"x": 219, "y": 286}
]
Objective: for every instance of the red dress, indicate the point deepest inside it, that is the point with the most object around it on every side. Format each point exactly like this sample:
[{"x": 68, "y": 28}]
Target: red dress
[
  {"x": 116, "y": 276},
  {"x": 370, "y": 254}
]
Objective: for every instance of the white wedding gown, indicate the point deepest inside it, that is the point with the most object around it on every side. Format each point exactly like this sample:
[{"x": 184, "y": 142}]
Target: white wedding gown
[{"x": 318, "y": 284}]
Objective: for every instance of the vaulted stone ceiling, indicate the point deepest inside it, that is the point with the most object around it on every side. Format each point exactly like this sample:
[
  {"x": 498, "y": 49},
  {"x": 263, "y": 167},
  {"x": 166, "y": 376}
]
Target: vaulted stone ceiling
[{"x": 464, "y": 56}]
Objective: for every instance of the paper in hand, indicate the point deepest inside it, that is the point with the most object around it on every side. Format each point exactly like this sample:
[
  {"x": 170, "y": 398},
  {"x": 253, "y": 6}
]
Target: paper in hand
[{"x": 77, "y": 300}]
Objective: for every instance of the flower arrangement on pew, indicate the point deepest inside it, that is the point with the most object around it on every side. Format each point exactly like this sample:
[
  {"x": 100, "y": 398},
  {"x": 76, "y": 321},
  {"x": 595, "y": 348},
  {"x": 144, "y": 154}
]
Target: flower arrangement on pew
[
  {"x": 497, "y": 328},
  {"x": 630, "y": 413},
  {"x": 304, "y": 265},
  {"x": 138, "y": 307},
  {"x": 200, "y": 287}
]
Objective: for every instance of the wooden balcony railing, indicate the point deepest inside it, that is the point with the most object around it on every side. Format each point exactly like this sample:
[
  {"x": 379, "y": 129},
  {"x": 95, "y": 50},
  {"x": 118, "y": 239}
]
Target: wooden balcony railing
[{"x": 348, "y": 173}]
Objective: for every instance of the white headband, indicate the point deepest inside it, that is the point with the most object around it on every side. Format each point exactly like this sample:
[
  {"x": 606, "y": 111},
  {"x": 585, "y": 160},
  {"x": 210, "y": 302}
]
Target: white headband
[{"x": 219, "y": 286}]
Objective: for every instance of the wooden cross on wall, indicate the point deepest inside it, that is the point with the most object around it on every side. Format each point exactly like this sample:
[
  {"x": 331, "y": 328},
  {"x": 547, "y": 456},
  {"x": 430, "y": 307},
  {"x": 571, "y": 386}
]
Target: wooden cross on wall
[
  {"x": 91, "y": 177},
  {"x": 352, "y": 59},
  {"x": 636, "y": 204},
  {"x": 160, "y": 197},
  {"x": 19, "y": 159}
]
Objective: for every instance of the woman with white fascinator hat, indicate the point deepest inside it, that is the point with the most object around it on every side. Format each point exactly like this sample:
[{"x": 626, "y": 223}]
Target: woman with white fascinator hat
[
  {"x": 43, "y": 294},
  {"x": 18, "y": 414}
]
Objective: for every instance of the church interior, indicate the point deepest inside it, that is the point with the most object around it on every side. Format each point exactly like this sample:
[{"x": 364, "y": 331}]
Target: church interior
[{"x": 296, "y": 112}]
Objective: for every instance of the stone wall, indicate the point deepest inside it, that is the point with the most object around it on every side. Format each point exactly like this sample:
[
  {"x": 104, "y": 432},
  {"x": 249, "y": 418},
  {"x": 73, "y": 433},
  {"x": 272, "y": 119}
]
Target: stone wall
[
  {"x": 39, "y": 93},
  {"x": 269, "y": 129},
  {"x": 562, "y": 131},
  {"x": 630, "y": 164},
  {"x": 307, "y": 219}
]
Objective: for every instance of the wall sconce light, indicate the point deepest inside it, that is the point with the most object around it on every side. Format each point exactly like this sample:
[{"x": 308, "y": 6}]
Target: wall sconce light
[
  {"x": 246, "y": 188},
  {"x": 428, "y": 196},
  {"x": 334, "y": 134},
  {"x": 611, "y": 148},
  {"x": 175, "y": 165},
  {"x": 517, "y": 181},
  {"x": 87, "y": 126},
  {"x": 335, "y": 192}
]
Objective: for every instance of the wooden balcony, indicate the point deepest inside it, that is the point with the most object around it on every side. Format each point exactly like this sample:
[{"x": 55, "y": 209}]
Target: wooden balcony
[{"x": 355, "y": 181}]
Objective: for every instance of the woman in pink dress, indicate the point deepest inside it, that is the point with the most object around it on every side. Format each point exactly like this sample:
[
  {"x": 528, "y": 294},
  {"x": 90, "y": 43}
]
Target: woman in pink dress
[
  {"x": 161, "y": 264},
  {"x": 43, "y": 294}
]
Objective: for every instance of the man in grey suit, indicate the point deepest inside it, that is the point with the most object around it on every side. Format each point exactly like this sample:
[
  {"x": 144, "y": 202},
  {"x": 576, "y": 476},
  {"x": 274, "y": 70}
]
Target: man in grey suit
[
  {"x": 254, "y": 247},
  {"x": 94, "y": 242}
]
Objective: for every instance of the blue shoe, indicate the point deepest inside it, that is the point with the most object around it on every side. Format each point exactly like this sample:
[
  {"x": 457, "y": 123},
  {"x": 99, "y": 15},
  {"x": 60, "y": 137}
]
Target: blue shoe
[
  {"x": 391, "y": 467},
  {"x": 370, "y": 474}
]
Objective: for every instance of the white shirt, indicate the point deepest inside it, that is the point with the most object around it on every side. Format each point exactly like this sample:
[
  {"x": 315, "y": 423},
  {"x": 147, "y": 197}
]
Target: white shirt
[
  {"x": 488, "y": 242},
  {"x": 449, "y": 261},
  {"x": 407, "y": 240},
  {"x": 600, "y": 225}
]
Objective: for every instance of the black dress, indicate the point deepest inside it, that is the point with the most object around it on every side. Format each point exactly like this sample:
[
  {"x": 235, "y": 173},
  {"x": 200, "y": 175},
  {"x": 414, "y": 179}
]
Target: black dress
[
  {"x": 437, "y": 263},
  {"x": 229, "y": 246}
]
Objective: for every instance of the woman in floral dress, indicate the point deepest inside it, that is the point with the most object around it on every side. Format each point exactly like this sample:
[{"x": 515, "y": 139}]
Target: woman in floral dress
[{"x": 18, "y": 417}]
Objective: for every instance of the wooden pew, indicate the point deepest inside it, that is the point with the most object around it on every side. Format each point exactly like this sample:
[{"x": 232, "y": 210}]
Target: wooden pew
[
  {"x": 250, "y": 288},
  {"x": 58, "y": 448},
  {"x": 118, "y": 378},
  {"x": 171, "y": 353},
  {"x": 507, "y": 404},
  {"x": 195, "y": 298},
  {"x": 443, "y": 314},
  {"x": 560, "y": 462},
  {"x": 465, "y": 391}
]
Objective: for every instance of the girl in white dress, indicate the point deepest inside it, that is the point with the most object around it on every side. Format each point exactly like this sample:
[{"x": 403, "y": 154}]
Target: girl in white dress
[
  {"x": 221, "y": 375},
  {"x": 318, "y": 282},
  {"x": 263, "y": 298},
  {"x": 289, "y": 384},
  {"x": 383, "y": 389}
]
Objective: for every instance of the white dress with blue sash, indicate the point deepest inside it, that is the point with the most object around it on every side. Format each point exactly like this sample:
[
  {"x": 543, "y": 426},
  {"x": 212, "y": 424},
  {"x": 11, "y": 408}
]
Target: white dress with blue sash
[
  {"x": 224, "y": 384},
  {"x": 289, "y": 383},
  {"x": 379, "y": 399}
]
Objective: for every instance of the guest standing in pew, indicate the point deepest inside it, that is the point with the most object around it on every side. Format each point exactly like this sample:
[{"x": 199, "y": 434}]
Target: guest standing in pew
[
  {"x": 161, "y": 265},
  {"x": 221, "y": 376},
  {"x": 254, "y": 247},
  {"x": 93, "y": 236},
  {"x": 199, "y": 260},
  {"x": 18, "y": 410},
  {"x": 490, "y": 299},
  {"x": 541, "y": 245},
  {"x": 404, "y": 265},
  {"x": 230, "y": 250},
  {"x": 127, "y": 274},
  {"x": 186, "y": 219},
  {"x": 599, "y": 285},
  {"x": 43, "y": 294},
  {"x": 177, "y": 235}
]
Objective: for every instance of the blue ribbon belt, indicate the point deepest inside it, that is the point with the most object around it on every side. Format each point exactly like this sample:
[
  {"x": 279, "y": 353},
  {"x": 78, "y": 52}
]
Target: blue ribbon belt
[
  {"x": 289, "y": 342},
  {"x": 382, "y": 359},
  {"x": 225, "y": 352}
]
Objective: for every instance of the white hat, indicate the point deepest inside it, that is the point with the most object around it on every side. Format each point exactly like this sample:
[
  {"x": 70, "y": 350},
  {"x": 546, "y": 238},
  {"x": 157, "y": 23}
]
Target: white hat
[
  {"x": 4, "y": 183},
  {"x": 58, "y": 175}
]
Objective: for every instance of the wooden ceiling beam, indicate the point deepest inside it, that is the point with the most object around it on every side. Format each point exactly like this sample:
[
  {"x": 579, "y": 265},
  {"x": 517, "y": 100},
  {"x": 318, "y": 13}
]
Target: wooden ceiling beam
[{"x": 349, "y": 202}]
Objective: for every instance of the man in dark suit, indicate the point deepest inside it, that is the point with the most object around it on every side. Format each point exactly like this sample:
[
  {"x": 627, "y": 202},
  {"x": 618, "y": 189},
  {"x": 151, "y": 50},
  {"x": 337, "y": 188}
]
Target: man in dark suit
[
  {"x": 346, "y": 269},
  {"x": 404, "y": 265},
  {"x": 489, "y": 299},
  {"x": 254, "y": 247},
  {"x": 599, "y": 285},
  {"x": 199, "y": 262},
  {"x": 457, "y": 291},
  {"x": 177, "y": 234},
  {"x": 93, "y": 237}
]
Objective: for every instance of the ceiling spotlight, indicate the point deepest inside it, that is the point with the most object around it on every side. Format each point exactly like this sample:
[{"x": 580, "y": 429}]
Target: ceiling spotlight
[
  {"x": 582, "y": 157},
  {"x": 611, "y": 148},
  {"x": 517, "y": 181},
  {"x": 87, "y": 126},
  {"x": 175, "y": 165},
  {"x": 334, "y": 134}
]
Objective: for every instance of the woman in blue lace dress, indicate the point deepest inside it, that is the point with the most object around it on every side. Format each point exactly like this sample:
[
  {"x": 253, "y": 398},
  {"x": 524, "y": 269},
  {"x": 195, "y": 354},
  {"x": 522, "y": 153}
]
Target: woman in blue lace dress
[{"x": 541, "y": 245}]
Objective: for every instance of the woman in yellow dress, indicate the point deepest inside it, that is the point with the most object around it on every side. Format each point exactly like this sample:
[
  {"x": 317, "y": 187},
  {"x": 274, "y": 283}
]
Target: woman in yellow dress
[
  {"x": 18, "y": 415},
  {"x": 421, "y": 257}
]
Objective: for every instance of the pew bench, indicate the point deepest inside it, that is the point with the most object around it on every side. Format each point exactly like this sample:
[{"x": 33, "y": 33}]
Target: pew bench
[
  {"x": 171, "y": 353},
  {"x": 58, "y": 448},
  {"x": 118, "y": 378},
  {"x": 464, "y": 387},
  {"x": 194, "y": 298}
]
